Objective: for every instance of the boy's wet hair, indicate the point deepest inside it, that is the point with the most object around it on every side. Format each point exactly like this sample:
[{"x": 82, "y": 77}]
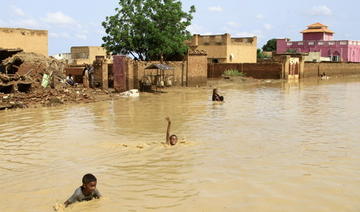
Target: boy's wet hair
[
  {"x": 88, "y": 178},
  {"x": 173, "y": 136}
]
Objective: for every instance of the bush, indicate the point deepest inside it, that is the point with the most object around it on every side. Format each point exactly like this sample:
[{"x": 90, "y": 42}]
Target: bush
[{"x": 234, "y": 72}]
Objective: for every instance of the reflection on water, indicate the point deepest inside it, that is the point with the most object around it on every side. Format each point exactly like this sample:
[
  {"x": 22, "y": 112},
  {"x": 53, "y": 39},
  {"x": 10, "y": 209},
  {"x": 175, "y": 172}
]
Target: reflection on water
[{"x": 269, "y": 147}]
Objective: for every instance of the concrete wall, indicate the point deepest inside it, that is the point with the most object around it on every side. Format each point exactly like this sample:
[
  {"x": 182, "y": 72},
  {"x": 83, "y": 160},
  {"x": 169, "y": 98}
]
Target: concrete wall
[
  {"x": 255, "y": 70},
  {"x": 86, "y": 54},
  {"x": 214, "y": 45},
  {"x": 29, "y": 40},
  {"x": 348, "y": 51},
  {"x": 225, "y": 49},
  {"x": 314, "y": 36},
  {"x": 244, "y": 50},
  {"x": 330, "y": 69},
  {"x": 318, "y": 36}
]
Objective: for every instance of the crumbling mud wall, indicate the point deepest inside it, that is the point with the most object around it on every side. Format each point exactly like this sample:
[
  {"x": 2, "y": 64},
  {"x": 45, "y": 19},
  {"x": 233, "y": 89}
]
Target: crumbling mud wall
[
  {"x": 21, "y": 77},
  {"x": 30, "y": 67}
]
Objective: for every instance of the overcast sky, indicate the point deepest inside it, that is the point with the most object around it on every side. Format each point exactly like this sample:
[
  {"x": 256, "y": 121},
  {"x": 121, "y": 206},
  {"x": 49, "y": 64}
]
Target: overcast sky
[{"x": 78, "y": 22}]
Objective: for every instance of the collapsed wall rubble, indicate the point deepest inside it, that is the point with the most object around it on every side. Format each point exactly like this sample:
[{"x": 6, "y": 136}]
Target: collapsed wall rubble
[
  {"x": 21, "y": 78},
  {"x": 30, "y": 68}
]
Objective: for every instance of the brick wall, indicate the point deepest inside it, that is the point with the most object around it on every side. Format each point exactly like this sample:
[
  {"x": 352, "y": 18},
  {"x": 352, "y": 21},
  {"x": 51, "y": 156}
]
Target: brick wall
[
  {"x": 255, "y": 70},
  {"x": 315, "y": 69}
]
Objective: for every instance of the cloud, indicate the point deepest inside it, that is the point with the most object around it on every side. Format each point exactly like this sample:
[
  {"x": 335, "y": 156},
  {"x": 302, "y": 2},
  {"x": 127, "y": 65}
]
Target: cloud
[
  {"x": 54, "y": 35},
  {"x": 209, "y": 33},
  {"x": 245, "y": 34},
  {"x": 17, "y": 11},
  {"x": 25, "y": 23},
  {"x": 59, "y": 18},
  {"x": 81, "y": 36},
  {"x": 233, "y": 24},
  {"x": 59, "y": 35},
  {"x": 101, "y": 31},
  {"x": 259, "y": 16},
  {"x": 3, "y": 23},
  {"x": 196, "y": 29},
  {"x": 257, "y": 33},
  {"x": 268, "y": 26},
  {"x": 216, "y": 9},
  {"x": 20, "y": 23},
  {"x": 321, "y": 10}
]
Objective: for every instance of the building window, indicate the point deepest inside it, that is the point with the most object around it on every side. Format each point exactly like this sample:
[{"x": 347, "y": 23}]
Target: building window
[
  {"x": 300, "y": 43},
  {"x": 311, "y": 43},
  {"x": 289, "y": 44},
  {"x": 215, "y": 60},
  {"x": 331, "y": 43},
  {"x": 320, "y": 43},
  {"x": 343, "y": 43}
]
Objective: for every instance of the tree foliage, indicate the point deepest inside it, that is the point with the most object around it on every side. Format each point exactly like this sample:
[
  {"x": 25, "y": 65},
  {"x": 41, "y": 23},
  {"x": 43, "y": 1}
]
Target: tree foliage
[
  {"x": 148, "y": 29},
  {"x": 260, "y": 54},
  {"x": 270, "y": 46}
]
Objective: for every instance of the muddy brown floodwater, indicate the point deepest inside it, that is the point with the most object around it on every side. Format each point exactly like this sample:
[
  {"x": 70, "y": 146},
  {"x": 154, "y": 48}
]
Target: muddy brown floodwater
[{"x": 271, "y": 147}]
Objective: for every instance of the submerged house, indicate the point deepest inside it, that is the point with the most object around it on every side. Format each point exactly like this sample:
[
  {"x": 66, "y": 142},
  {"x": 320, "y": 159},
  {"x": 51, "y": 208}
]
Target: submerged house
[{"x": 318, "y": 38}]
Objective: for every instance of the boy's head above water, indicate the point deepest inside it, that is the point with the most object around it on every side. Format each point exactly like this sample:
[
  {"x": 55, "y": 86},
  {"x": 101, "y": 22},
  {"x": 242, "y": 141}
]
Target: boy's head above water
[
  {"x": 173, "y": 140},
  {"x": 89, "y": 183}
]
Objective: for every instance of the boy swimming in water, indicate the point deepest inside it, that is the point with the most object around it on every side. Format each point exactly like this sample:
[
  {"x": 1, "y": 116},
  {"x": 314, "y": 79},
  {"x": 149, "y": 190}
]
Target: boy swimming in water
[
  {"x": 170, "y": 140},
  {"x": 85, "y": 192}
]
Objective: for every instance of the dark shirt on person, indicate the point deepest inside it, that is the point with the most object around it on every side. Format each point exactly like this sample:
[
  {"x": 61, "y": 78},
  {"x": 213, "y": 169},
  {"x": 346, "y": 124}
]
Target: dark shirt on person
[
  {"x": 79, "y": 196},
  {"x": 217, "y": 97}
]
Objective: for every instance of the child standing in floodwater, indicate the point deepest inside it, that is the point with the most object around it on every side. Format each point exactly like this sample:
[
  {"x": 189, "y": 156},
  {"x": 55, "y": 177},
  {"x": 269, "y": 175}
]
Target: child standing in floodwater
[
  {"x": 85, "y": 192},
  {"x": 170, "y": 140}
]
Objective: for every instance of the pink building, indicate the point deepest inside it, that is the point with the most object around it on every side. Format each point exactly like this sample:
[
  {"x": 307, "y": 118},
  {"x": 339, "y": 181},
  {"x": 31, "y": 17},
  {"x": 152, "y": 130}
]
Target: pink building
[{"x": 318, "y": 38}]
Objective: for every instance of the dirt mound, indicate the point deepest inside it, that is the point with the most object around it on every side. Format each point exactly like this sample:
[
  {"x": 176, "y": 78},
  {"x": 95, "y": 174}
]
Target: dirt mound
[{"x": 51, "y": 97}]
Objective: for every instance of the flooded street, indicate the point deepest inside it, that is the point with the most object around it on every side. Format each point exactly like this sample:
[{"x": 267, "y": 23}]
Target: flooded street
[{"x": 271, "y": 147}]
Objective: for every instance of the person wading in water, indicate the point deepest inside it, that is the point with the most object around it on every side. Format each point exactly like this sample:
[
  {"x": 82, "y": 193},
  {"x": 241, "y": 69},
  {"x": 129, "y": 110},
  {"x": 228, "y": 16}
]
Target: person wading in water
[{"x": 216, "y": 96}]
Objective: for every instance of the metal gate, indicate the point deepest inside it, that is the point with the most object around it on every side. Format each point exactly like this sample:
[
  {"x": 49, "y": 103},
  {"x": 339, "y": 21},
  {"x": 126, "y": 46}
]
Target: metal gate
[
  {"x": 294, "y": 67},
  {"x": 119, "y": 71}
]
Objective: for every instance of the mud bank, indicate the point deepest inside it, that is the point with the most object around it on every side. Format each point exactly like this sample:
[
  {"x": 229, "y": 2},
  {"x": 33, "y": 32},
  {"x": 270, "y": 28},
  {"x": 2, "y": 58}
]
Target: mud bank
[{"x": 52, "y": 97}]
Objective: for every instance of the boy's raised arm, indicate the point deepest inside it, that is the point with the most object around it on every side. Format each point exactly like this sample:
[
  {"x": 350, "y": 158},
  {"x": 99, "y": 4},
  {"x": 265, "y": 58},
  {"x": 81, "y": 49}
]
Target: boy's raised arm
[{"x": 168, "y": 130}]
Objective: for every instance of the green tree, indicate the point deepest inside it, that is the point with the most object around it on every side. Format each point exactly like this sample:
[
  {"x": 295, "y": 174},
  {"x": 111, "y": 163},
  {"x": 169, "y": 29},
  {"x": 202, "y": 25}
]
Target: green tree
[
  {"x": 148, "y": 29},
  {"x": 260, "y": 54},
  {"x": 270, "y": 46}
]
